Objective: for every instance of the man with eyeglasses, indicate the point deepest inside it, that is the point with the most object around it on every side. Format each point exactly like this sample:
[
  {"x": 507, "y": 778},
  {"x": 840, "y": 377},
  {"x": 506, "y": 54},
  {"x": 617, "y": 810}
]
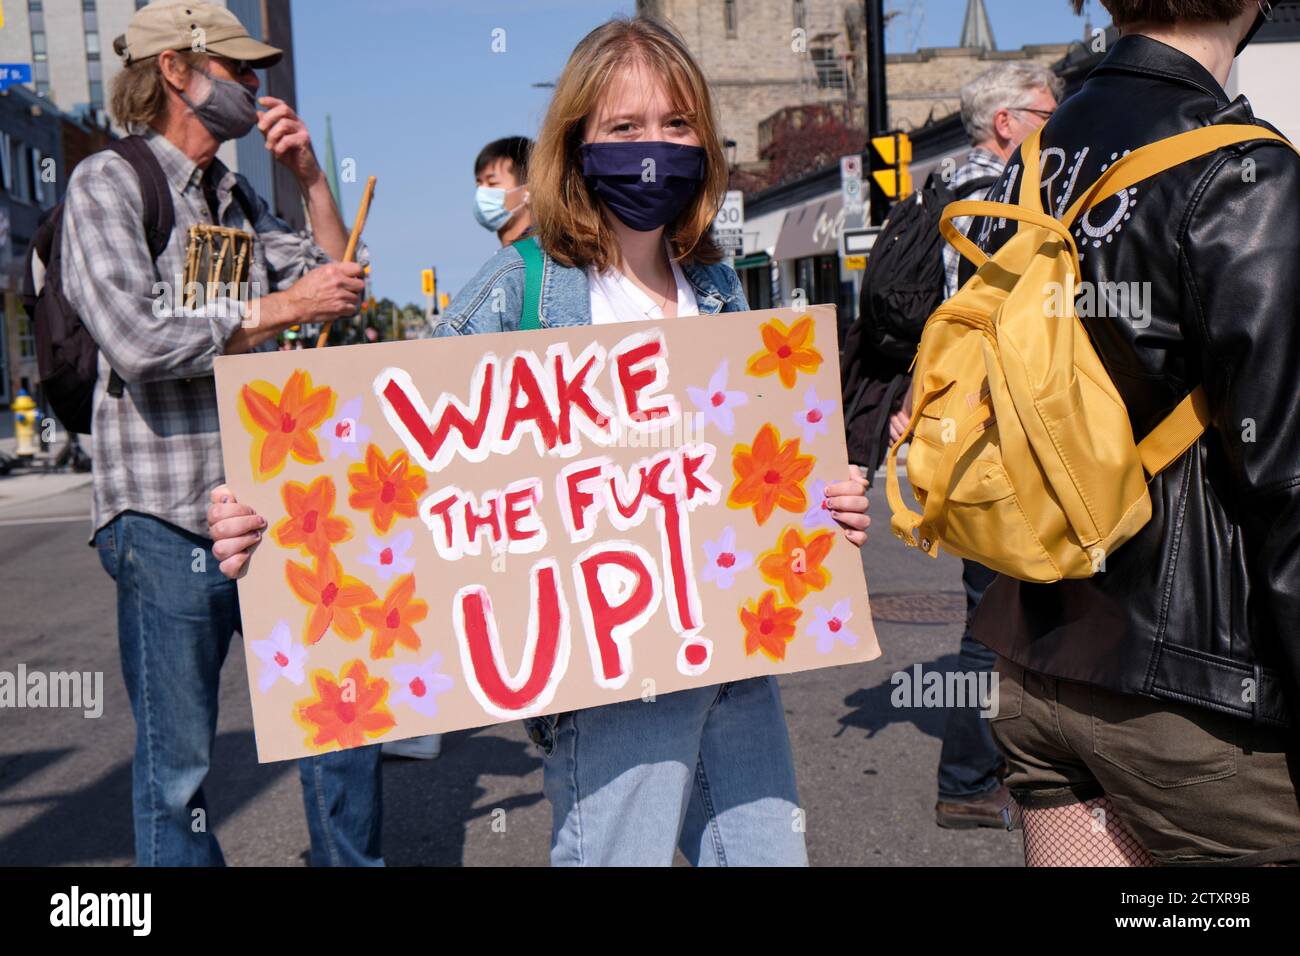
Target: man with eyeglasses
[
  {"x": 188, "y": 85},
  {"x": 999, "y": 108}
]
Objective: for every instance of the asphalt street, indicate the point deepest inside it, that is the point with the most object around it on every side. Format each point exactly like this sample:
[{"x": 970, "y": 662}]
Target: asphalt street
[{"x": 866, "y": 769}]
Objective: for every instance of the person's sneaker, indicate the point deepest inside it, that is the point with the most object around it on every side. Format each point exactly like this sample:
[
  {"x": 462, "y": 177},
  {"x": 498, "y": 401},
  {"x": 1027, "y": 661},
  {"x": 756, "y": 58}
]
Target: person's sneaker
[
  {"x": 996, "y": 809},
  {"x": 415, "y": 748}
]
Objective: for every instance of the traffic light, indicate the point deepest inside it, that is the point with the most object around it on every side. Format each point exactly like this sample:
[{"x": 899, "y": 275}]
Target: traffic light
[{"x": 891, "y": 179}]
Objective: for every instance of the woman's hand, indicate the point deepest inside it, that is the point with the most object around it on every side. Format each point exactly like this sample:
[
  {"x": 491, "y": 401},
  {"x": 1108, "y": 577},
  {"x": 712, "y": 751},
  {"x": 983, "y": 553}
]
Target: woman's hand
[
  {"x": 899, "y": 420},
  {"x": 847, "y": 503},
  {"x": 236, "y": 531}
]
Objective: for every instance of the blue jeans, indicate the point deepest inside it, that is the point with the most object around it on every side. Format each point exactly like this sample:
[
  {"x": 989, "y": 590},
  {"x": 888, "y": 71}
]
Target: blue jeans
[
  {"x": 176, "y": 614},
  {"x": 707, "y": 770},
  {"x": 970, "y": 761}
]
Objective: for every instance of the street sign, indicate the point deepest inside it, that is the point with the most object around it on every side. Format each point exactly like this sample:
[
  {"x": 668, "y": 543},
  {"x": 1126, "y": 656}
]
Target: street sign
[
  {"x": 729, "y": 224},
  {"x": 429, "y": 282},
  {"x": 857, "y": 263},
  {"x": 12, "y": 74},
  {"x": 851, "y": 184},
  {"x": 857, "y": 243}
]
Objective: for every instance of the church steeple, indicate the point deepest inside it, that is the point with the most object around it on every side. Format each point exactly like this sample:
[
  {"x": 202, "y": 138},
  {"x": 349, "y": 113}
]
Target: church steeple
[{"x": 976, "y": 31}]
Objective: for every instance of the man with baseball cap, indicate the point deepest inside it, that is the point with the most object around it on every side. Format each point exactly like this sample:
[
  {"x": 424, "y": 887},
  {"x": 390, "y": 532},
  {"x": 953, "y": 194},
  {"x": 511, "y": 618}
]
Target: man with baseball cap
[
  {"x": 192, "y": 26},
  {"x": 186, "y": 87}
]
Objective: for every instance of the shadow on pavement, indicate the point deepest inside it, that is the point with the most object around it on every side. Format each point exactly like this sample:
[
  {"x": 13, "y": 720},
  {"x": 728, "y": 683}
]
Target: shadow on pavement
[
  {"x": 93, "y": 824},
  {"x": 429, "y": 806},
  {"x": 873, "y": 709}
]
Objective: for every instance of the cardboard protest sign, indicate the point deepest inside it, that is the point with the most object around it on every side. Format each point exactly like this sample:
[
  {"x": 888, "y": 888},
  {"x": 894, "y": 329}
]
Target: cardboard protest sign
[{"x": 463, "y": 531}]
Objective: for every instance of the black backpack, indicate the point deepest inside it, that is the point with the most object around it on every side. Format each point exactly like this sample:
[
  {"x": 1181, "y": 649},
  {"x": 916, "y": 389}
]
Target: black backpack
[
  {"x": 902, "y": 286},
  {"x": 903, "y": 283},
  {"x": 67, "y": 356}
]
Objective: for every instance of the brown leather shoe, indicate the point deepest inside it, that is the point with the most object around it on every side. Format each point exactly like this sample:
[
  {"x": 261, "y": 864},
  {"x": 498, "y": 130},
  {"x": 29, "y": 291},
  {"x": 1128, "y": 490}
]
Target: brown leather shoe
[{"x": 996, "y": 809}]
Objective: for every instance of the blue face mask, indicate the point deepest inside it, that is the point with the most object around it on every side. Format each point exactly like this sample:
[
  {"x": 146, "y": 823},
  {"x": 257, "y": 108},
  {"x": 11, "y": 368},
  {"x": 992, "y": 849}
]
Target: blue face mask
[
  {"x": 490, "y": 207},
  {"x": 645, "y": 184}
]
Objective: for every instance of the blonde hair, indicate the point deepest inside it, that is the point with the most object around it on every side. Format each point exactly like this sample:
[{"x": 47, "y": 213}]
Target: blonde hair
[
  {"x": 568, "y": 220},
  {"x": 139, "y": 94}
]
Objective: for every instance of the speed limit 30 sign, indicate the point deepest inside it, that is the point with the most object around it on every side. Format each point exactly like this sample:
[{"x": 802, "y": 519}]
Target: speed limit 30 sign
[{"x": 729, "y": 224}]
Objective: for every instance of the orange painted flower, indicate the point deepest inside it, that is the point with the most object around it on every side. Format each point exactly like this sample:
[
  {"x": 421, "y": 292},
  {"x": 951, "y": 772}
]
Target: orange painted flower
[
  {"x": 795, "y": 565},
  {"x": 769, "y": 474},
  {"x": 769, "y": 627},
  {"x": 310, "y": 525},
  {"x": 787, "y": 352},
  {"x": 392, "y": 620},
  {"x": 331, "y": 595},
  {"x": 347, "y": 711},
  {"x": 283, "y": 422},
  {"x": 385, "y": 488}
]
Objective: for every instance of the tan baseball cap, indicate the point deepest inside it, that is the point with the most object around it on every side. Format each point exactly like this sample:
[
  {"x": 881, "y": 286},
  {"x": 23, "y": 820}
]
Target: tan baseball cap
[{"x": 201, "y": 27}]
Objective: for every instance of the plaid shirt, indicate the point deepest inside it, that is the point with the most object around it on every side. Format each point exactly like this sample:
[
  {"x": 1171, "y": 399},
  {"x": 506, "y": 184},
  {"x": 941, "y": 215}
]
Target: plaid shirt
[
  {"x": 157, "y": 449},
  {"x": 979, "y": 162}
]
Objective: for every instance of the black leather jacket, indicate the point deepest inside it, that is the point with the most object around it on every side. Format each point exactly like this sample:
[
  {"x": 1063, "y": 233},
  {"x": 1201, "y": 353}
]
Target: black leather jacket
[{"x": 1203, "y": 605}]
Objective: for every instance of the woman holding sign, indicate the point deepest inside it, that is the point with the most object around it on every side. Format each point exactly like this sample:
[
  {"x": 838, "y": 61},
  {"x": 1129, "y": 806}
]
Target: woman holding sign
[{"x": 624, "y": 181}]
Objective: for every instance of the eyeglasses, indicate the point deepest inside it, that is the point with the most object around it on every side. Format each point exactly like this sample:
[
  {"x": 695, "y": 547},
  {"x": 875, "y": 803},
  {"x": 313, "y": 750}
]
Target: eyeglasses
[{"x": 1045, "y": 114}]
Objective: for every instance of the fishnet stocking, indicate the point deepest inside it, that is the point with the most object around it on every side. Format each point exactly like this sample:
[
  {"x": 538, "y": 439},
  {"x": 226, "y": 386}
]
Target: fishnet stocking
[{"x": 1081, "y": 834}]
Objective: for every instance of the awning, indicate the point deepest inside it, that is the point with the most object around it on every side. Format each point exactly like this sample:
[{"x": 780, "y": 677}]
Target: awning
[
  {"x": 749, "y": 262},
  {"x": 812, "y": 229},
  {"x": 761, "y": 231}
]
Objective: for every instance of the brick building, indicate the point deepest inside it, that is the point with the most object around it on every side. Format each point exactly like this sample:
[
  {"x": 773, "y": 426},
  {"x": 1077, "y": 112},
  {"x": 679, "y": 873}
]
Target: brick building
[{"x": 762, "y": 57}]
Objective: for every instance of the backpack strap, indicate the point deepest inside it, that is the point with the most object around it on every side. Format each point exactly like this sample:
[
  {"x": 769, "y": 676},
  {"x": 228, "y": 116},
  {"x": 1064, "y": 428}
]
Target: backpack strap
[
  {"x": 533, "y": 263},
  {"x": 246, "y": 205},
  {"x": 997, "y": 210},
  {"x": 155, "y": 192},
  {"x": 975, "y": 185},
  {"x": 1177, "y": 433},
  {"x": 159, "y": 213}
]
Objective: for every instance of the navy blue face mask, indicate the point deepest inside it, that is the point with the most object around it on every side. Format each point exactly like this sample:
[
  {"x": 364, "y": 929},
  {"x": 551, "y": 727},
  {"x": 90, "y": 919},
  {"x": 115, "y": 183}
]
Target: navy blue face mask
[{"x": 645, "y": 184}]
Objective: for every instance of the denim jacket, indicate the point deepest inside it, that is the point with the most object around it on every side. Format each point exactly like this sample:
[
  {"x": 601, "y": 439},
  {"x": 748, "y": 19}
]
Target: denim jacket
[{"x": 494, "y": 299}]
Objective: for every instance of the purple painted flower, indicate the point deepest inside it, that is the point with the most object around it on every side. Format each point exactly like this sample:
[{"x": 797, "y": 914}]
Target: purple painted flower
[
  {"x": 418, "y": 685},
  {"x": 716, "y": 403},
  {"x": 724, "y": 561},
  {"x": 812, "y": 418},
  {"x": 346, "y": 435},
  {"x": 832, "y": 626},
  {"x": 281, "y": 656},
  {"x": 389, "y": 557},
  {"x": 817, "y": 516}
]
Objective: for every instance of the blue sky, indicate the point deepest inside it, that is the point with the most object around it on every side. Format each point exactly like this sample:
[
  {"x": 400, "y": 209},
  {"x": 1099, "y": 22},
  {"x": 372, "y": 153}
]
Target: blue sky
[{"x": 414, "y": 91}]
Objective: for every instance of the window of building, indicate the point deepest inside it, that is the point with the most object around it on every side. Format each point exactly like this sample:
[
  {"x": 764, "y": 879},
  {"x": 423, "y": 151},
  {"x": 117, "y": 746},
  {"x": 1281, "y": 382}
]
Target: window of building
[
  {"x": 729, "y": 17},
  {"x": 6, "y": 169},
  {"x": 26, "y": 336},
  {"x": 830, "y": 71},
  {"x": 38, "y": 185},
  {"x": 20, "y": 171},
  {"x": 92, "y": 44},
  {"x": 38, "y": 46},
  {"x": 4, "y": 353},
  {"x": 800, "y": 15}
]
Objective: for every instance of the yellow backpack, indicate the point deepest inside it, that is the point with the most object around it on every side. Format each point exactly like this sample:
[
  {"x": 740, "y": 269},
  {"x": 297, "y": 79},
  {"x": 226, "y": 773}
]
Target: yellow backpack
[{"x": 1022, "y": 456}]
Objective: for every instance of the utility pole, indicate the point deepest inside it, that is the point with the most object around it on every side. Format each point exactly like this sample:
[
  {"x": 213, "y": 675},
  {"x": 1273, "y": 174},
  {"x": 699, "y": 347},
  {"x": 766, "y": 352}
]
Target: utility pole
[{"x": 877, "y": 98}]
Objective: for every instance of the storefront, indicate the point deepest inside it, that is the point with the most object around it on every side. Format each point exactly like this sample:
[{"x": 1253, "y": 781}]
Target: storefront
[{"x": 808, "y": 251}]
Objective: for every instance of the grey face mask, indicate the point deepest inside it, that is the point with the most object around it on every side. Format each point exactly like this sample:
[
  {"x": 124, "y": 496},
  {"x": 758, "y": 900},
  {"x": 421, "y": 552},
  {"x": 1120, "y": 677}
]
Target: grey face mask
[{"x": 229, "y": 111}]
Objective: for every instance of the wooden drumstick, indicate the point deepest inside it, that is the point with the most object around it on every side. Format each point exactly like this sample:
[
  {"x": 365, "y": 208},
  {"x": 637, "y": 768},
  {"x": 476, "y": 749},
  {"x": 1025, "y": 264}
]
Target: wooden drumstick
[{"x": 353, "y": 239}]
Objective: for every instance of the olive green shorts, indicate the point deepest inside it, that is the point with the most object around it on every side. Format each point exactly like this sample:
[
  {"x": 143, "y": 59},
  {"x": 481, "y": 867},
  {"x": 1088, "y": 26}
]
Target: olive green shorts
[{"x": 1193, "y": 785}]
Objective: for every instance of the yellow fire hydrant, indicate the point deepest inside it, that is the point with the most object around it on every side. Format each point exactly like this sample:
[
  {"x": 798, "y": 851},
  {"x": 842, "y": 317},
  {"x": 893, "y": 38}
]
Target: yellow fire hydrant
[{"x": 25, "y": 424}]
